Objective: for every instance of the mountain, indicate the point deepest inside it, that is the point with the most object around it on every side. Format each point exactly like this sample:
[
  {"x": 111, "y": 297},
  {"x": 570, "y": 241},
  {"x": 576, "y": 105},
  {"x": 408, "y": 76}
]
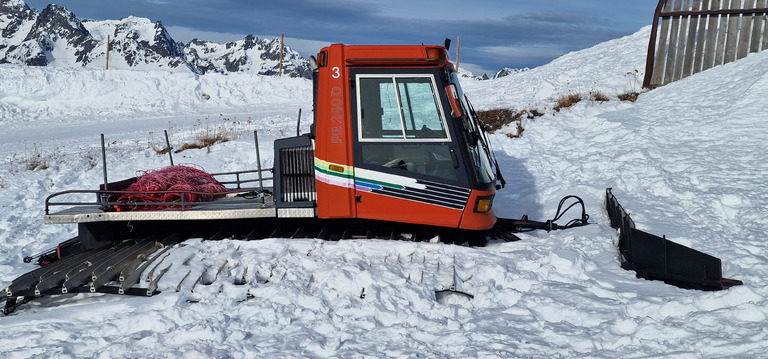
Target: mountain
[
  {"x": 239, "y": 56},
  {"x": 508, "y": 71},
  {"x": 56, "y": 37}
]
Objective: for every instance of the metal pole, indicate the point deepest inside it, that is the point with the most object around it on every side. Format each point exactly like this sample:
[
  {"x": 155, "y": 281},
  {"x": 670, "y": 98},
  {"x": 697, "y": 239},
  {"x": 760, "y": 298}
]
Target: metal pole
[
  {"x": 103, "y": 198},
  {"x": 298, "y": 124},
  {"x": 258, "y": 161},
  {"x": 168, "y": 146},
  {"x": 104, "y": 161},
  {"x": 108, "y": 40}
]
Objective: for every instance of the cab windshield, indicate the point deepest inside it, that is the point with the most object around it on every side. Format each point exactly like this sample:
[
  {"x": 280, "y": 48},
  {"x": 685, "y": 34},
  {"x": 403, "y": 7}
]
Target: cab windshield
[{"x": 477, "y": 147}]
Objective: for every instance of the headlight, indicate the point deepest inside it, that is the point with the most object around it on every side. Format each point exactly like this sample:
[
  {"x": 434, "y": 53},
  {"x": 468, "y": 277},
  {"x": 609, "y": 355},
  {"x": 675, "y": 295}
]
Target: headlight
[{"x": 483, "y": 204}]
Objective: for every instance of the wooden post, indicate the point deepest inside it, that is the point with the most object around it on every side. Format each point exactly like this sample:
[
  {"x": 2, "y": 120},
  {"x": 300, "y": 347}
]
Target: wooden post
[
  {"x": 680, "y": 43},
  {"x": 765, "y": 29},
  {"x": 280, "y": 72},
  {"x": 107, "y": 52},
  {"x": 661, "y": 50},
  {"x": 669, "y": 69},
  {"x": 722, "y": 35},
  {"x": 765, "y": 24},
  {"x": 757, "y": 27},
  {"x": 745, "y": 34},
  {"x": 711, "y": 45},
  {"x": 702, "y": 35},
  {"x": 690, "y": 43},
  {"x": 731, "y": 41},
  {"x": 458, "y": 46}
]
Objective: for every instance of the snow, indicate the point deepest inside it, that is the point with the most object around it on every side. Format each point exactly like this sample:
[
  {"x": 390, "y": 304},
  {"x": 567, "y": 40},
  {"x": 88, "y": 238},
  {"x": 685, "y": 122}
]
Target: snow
[{"x": 687, "y": 160}]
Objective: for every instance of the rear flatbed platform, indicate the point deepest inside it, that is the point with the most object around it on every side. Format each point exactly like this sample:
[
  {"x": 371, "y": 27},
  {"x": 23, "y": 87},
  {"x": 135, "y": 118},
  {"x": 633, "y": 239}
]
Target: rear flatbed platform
[{"x": 231, "y": 207}]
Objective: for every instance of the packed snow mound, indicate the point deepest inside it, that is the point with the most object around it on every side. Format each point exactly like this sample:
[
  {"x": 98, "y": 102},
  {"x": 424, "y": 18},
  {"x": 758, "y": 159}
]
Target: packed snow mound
[
  {"x": 61, "y": 93},
  {"x": 612, "y": 68},
  {"x": 686, "y": 160}
]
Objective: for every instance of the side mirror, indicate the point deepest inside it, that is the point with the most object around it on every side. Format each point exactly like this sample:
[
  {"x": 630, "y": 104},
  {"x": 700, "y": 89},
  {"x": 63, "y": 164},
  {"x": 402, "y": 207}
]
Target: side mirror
[
  {"x": 453, "y": 98},
  {"x": 313, "y": 63}
]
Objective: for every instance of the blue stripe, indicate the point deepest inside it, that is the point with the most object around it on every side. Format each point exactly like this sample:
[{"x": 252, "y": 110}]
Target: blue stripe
[{"x": 367, "y": 185}]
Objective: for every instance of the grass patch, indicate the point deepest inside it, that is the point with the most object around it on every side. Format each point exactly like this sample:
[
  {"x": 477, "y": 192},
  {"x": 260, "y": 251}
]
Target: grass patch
[
  {"x": 204, "y": 135},
  {"x": 31, "y": 160},
  {"x": 629, "y": 96},
  {"x": 566, "y": 101},
  {"x": 37, "y": 163},
  {"x": 492, "y": 120},
  {"x": 205, "y": 139},
  {"x": 598, "y": 96}
]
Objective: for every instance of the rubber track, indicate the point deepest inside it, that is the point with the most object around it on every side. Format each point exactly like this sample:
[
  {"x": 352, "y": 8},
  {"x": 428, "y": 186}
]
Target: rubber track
[
  {"x": 116, "y": 269},
  {"x": 88, "y": 271}
]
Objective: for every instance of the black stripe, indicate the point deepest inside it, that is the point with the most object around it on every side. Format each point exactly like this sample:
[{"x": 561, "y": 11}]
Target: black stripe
[
  {"x": 442, "y": 191},
  {"x": 443, "y": 186},
  {"x": 418, "y": 196},
  {"x": 435, "y": 195}
]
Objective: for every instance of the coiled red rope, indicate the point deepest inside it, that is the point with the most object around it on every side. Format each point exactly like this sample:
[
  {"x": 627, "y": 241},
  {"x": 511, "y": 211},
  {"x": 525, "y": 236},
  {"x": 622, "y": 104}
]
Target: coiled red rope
[{"x": 181, "y": 180}]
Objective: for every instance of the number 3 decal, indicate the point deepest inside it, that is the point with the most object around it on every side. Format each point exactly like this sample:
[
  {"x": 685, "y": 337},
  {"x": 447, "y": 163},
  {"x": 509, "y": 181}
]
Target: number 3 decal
[{"x": 336, "y": 72}]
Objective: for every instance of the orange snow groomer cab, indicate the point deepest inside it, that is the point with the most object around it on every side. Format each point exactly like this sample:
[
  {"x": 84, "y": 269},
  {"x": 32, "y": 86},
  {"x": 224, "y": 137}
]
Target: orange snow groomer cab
[{"x": 396, "y": 139}]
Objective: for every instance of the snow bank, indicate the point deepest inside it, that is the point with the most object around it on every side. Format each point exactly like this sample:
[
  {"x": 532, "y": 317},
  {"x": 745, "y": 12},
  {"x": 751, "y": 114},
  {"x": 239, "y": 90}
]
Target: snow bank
[
  {"x": 35, "y": 93},
  {"x": 612, "y": 68}
]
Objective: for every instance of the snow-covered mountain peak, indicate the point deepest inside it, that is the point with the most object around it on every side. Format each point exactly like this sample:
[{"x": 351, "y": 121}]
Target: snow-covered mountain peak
[
  {"x": 250, "y": 54},
  {"x": 13, "y": 6},
  {"x": 56, "y": 37}
]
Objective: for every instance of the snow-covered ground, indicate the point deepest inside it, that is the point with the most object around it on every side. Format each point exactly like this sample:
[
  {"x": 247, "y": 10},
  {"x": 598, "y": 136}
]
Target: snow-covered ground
[{"x": 687, "y": 160}]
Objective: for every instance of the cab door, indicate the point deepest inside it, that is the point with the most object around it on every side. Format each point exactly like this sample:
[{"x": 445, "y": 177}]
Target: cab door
[{"x": 406, "y": 165}]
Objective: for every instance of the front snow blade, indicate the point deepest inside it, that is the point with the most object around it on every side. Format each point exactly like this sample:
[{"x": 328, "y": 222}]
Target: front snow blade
[{"x": 656, "y": 258}]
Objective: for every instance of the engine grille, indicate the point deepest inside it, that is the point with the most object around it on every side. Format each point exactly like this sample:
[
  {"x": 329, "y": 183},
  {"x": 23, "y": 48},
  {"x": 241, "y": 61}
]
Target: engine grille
[{"x": 295, "y": 161}]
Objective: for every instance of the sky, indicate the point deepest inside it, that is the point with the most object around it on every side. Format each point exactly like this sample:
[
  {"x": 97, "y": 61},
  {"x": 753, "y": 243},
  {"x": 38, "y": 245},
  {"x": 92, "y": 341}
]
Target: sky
[{"x": 490, "y": 34}]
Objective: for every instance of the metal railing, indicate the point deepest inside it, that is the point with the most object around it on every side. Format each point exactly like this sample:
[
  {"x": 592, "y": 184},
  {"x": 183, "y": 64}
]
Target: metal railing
[{"x": 103, "y": 196}]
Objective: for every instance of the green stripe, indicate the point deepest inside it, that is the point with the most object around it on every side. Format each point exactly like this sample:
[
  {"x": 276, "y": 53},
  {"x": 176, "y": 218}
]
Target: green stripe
[{"x": 385, "y": 184}]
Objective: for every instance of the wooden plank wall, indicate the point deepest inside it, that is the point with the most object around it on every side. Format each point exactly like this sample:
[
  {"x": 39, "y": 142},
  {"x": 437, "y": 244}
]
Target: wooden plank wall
[{"x": 690, "y": 36}]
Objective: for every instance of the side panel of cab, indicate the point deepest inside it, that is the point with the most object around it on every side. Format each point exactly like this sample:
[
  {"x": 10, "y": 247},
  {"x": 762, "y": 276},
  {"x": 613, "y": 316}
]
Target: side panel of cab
[{"x": 333, "y": 138}]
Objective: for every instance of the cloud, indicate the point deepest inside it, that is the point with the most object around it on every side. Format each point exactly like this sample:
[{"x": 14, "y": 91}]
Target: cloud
[
  {"x": 494, "y": 33},
  {"x": 186, "y": 34},
  {"x": 306, "y": 47},
  {"x": 476, "y": 69},
  {"x": 522, "y": 52}
]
